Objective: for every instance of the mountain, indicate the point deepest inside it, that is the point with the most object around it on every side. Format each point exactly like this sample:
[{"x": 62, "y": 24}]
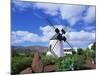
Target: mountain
[{"x": 25, "y": 49}]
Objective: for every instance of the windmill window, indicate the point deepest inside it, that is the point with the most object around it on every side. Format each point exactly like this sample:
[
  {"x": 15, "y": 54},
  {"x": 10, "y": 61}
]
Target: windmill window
[{"x": 50, "y": 47}]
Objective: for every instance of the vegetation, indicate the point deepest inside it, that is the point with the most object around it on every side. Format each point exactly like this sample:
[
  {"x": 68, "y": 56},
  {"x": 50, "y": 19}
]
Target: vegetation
[
  {"x": 75, "y": 61},
  {"x": 63, "y": 63},
  {"x": 46, "y": 60},
  {"x": 78, "y": 61},
  {"x": 93, "y": 46},
  {"x": 80, "y": 51},
  {"x": 93, "y": 54},
  {"x": 70, "y": 62},
  {"x": 90, "y": 54},
  {"x": 20, "y": 62}
]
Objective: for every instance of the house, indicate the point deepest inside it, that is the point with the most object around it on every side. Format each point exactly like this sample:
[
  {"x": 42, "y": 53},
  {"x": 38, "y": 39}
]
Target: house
[
  {"x": 90, "y": 45},
  {"x": 69, "y": 50}
]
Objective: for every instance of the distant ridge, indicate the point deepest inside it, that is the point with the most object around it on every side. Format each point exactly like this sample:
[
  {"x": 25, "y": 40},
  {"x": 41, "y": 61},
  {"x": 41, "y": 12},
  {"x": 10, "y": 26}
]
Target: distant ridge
[{"x": 24, "y": 49}]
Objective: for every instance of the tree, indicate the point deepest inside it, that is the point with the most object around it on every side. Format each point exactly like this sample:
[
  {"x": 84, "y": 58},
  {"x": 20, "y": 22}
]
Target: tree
[
  {"x": 73, "y": 52},
  {"x": 80, "y": 51},
  {"x": 74, "y": 62},
  {"x": 14, "y": 53},
  {"x": 93, "y": 53},
  {"x": 90, "y": 54},
  {"x": 64, "y": 63},
  {"x": 93, "y": 47},
  {"x": 78, "y": 61},
  {"x": 87, "y": 53}
]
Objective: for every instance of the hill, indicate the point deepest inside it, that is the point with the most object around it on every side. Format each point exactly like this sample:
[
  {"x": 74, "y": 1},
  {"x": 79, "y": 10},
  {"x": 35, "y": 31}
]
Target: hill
[{"x": 28, "y": 49}]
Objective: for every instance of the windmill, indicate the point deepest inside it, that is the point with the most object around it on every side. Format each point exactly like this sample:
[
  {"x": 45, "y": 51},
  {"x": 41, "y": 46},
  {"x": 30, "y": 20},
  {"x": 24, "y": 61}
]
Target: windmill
[{"x": 56, "y": 42}]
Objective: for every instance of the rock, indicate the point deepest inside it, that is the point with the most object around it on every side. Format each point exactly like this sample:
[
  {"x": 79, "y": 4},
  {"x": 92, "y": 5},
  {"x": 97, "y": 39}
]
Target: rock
[
  {"x": 37, "y": 65},
  {"x": 26, "y": 71},
  {"x": 49, "y": 68}
]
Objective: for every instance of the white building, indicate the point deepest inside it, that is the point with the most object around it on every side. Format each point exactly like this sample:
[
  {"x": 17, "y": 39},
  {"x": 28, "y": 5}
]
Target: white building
[
  {"x": 69, "y": 50},
  {"x": 90, "y": 45}
]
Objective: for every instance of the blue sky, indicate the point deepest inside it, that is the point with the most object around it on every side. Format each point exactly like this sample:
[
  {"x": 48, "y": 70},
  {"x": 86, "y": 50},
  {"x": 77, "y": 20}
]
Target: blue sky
[{"x": 30, "y": 27}]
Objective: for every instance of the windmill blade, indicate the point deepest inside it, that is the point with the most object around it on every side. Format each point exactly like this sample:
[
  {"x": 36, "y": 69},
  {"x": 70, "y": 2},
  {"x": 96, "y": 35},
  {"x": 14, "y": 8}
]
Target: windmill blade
[
  {"x": 53, "y": 53},
  {"x": 56, "y": 29},
  {"x": 69, "y": 44},
  {"x": 54, "y": 36},
  {"x": 63, "y": 31},
  {"x": 67, "y": 33},
  {"x": 45, "y": 18},
  {"x": 55, "y": 45},
  {"x": 51, "y": 50},
  {"x": 67, "y": 28},
  {"x": 50, "y": 23}
]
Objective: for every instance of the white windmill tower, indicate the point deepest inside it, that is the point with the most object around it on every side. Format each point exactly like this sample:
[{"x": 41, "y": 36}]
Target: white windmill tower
[
  {"x": 56, "y": 42},
  {"x": 55, "y": 47}
]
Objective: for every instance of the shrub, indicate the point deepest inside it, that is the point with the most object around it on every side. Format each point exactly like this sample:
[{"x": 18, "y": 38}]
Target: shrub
[
  {"x": 71, "y": 62},
  {"x": 64, "y": 63},
  {"x": 80, "y": 51},
  {"x": 19, "y": 63},
  {"x": 46, "y": 60},
  {"x": 78, "y": 61},
  {"x": 93, "y": 46},
  {"x": 14, "y": 53}
]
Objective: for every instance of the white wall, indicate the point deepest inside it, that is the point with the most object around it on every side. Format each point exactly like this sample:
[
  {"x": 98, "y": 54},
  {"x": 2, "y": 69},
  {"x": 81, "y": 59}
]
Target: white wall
[{"x": 58, "y": 49}]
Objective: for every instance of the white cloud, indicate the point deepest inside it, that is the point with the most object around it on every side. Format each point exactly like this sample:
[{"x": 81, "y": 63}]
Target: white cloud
[
  {"x": 77, "y": 39},
  {"x": 82, "y": 35},
  {"x": 90, "y": 28},
  {"x": 48, "y": 8},
  {"x": 23, "y": 36},
  {"x": 71, "y": 13},
  {"x": 20, "y": 5},
  {"x": 48, "y": 32},
  {"x": 91, "y": 14},
  {"x": 66, "y": 11},
  {"x": 81, "y": 39}
]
